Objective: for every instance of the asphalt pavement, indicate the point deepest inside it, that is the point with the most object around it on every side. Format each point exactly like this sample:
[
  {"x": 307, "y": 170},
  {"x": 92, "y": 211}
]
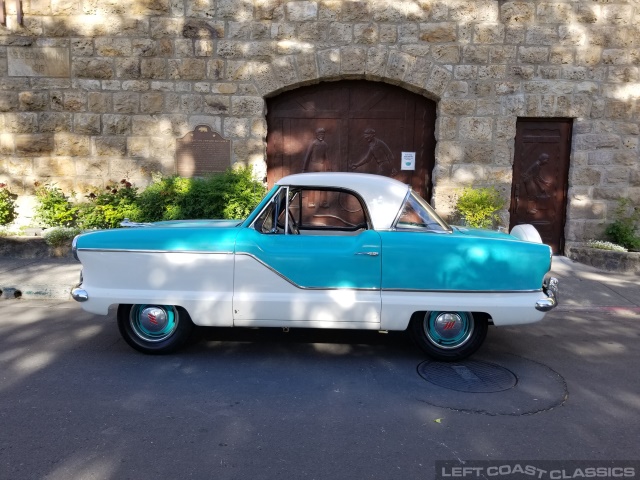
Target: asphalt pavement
[{"x": 581, "y": 286}]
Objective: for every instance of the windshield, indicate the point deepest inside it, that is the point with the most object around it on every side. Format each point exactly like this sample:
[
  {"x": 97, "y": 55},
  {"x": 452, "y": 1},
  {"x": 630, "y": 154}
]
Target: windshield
[{"x": 417, "y": 215}]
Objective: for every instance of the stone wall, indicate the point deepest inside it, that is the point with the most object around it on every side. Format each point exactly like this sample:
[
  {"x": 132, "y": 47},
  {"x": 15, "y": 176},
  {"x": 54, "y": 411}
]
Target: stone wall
[{"x": 142, "y": 73}]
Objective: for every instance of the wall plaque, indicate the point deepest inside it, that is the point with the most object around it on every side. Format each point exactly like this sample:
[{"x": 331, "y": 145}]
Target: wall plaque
[
  {"x": 202, "y": 152},
  {"x": 38, "y": 62}
]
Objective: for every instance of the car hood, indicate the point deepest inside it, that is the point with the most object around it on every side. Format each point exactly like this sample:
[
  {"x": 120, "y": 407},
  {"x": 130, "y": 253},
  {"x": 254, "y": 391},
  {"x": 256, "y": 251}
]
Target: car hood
[{"x": 197, "y": 223}]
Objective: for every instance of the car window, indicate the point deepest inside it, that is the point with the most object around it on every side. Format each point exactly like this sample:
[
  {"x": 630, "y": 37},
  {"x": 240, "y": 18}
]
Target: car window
[
  {"x": 311, "y": 211},
  {"x": 325, "y": 210},
  {"x": 417, "y": 214}
]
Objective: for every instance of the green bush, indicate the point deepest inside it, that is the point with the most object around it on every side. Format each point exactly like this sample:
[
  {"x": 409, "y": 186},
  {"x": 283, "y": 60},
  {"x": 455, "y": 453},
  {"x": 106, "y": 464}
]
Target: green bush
[
  {"x": 59, "y": 236},
  {"x": 232, "y": 194},
  {"x": 54, "y": 209},
  {"x": 479, "y": 207},
  {"x": 106, "y": 209},
  {"x": 8, "y": 212},
  {"x": 623, "y": 229}
]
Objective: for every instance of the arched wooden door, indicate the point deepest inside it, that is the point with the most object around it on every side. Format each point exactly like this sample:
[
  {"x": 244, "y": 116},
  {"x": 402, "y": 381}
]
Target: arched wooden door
[{"x": 356, "y": 126}]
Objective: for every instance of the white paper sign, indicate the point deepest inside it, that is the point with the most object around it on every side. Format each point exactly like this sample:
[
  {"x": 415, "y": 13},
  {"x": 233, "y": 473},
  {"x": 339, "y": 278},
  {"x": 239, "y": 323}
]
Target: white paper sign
[{"x": 408, "y": 161}]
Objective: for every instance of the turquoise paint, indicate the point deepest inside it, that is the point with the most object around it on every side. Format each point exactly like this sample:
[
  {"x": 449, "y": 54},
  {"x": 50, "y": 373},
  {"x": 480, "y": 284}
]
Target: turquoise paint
[
  {"x": 197, "y": 223},
  {"x": 200, "y": 239},
  {"x": 323, "y": 261},
  {"x": 461, "y": 261}
]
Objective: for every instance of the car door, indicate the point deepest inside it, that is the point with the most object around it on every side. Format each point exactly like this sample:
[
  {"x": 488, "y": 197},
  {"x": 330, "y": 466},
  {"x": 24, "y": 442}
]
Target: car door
[{"x": 304, "y": 263}]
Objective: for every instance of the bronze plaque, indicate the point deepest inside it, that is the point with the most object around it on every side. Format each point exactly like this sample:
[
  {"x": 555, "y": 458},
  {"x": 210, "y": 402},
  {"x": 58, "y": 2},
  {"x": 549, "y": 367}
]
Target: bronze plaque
[{"x": 202, "y": 152}]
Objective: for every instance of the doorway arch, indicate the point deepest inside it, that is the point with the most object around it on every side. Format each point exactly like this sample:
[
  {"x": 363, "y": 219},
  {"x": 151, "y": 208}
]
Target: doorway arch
[{"x": 352, "y": 125}]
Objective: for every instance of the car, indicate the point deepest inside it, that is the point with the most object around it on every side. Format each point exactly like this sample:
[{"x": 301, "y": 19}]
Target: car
[{"x": 322, "y": 250}]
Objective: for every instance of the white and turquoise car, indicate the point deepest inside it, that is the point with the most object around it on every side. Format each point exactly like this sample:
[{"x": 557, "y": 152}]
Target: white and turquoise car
[{"x": 322, "y": 250}]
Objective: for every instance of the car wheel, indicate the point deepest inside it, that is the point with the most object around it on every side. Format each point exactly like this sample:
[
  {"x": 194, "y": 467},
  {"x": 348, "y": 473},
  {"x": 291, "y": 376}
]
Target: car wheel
[
  {"x": 449, "y": 336},
  {"x": 154, "y": 329}
]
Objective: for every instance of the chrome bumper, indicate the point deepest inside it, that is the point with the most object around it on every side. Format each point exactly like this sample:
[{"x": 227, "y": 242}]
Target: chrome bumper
[
  {"x": 79, "y": 294},
  {"x": 551, "y": 290}
]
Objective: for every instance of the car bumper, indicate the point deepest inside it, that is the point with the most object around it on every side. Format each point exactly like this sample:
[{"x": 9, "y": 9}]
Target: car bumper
[{"x": 551, "y": 290}]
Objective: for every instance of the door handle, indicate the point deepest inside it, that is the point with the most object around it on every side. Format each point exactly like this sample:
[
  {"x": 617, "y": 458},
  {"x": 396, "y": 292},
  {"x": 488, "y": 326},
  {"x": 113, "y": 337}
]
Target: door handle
[{"x": 371, "y": 254}]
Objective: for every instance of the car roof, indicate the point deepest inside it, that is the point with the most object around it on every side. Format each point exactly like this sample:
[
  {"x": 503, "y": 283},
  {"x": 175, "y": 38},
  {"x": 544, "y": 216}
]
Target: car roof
[{"x": 383, "y": 195}]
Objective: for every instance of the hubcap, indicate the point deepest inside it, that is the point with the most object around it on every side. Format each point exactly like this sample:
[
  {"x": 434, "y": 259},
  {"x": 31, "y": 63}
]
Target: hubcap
[
  {"x": 448, "y": 329},
  {"x": 153, "y": 323}
]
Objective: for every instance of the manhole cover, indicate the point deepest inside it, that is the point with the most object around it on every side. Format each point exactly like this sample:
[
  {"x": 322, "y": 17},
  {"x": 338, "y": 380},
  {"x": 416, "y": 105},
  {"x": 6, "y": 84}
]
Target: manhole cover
[
  {"x": 469, "y": 376},
  {"x": 495, "y": 384}
]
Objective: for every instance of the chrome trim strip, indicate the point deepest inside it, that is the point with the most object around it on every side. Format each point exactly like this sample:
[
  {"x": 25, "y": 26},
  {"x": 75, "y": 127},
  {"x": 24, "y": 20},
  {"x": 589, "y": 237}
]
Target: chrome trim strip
[
  {"x": 130, "y": 250},
  {"x": 409, "y": 290}
]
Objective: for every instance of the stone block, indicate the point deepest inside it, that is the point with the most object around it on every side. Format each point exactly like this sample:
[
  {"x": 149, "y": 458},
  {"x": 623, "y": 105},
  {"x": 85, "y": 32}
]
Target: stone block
[
  {"x": 98, "y": 102},
  {"x": 477, "y": 129},
  {"x": 215, "y": 69},
  {"x": 116, "y": 124},
  {"x": 234, "y": 127},
  {"x": 152, "y": 102},
  {"x": 138, "y": 147},
  {"x": 376, "y": 62},
  {"x": 307, "y": 67},
  {"x": 100, "y": 68},
  {"x": 34, "y": 144},
  {"x": 585, "y": 176},
  {"x": 191, "y": 103},
  {"x": 30, "y": 101},
  {"x": 127, "y": 68},
  {"x": 438, "y": 80},
  {"x": 216, "y": 104},
  {"x": 110, "y": 146},
  {"x": 418, "y": 72},
  {"x": 388, "y": 33},
  {"x": 444, "y": 32},
  {"x": 329, "y": 62},
  {"x": 456, "y": 106},
  {"x": 398, "y": 64},
  {"x": 201, "y": 8},
  {"x": 86, "y": 123},
  {"x": 55, "y": 167},
  {"x": 247, "y": 106},
  {"x": 113, "y": 47},
  {"x": 476, "y": 54},
  {"x": 54, "y": 122},
  {"x": 75, "y": 101},
  {"x": 517, "y": 12},
  {"x": 366, "y": 33},
  {"x": 615, "y": 56},
  {"x": 126, "y": 102},
  {"x": 73, "y": 145},
  {"x": 187, "y": 69},
  {"x": 408, "y": 33},
  {"x": 448, "y": 54},
  {"x": 301, "y": 11},
  {"x": 536, "y": 55},
  {"x": 26, "y": 122},
  {"x": 488, "y": 33}
]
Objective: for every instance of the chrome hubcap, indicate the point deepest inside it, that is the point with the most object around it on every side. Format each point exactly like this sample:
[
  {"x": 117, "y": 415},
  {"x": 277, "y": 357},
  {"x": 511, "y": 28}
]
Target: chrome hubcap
[
  {"x": 448, "y": 329},
  {"x": 153, "y": 323}
]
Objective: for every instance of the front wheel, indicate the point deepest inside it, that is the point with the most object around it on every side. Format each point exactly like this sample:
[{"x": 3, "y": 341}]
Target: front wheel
[
  {"x": 448, "y": 336},
  {"x": 154, "y": 329}
]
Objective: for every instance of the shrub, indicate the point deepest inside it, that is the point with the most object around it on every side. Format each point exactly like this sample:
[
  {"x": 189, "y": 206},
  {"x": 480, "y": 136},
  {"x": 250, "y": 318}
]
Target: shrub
[
  {"x": 479, "y": 207},
  {"x": 8, "y": 212},
  {"x": 599, "y": 244},
  {"x": 232, "y": 194},
  {"x": 59, "y": 236},
  {"x": 54, "y": 208},
  {"x": 106, "y": 209},
  {"x": 623, "y": 229}
]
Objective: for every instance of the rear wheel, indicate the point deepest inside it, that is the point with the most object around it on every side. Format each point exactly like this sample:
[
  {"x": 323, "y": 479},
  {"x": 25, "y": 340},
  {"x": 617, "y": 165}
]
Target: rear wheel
[
  {"x": 154, "y": 329},
  {"x": 449, "y": 336}
]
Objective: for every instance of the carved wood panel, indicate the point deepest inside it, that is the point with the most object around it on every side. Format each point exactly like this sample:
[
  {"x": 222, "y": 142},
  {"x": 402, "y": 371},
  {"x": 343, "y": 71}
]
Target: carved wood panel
[
  {"x": 540, "y": 177},
  {"x": 354, "y": 126}
]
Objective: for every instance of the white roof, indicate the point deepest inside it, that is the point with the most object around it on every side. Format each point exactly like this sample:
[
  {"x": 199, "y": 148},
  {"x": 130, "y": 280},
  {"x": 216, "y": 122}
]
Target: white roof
[{"x": 383, "y": 195}]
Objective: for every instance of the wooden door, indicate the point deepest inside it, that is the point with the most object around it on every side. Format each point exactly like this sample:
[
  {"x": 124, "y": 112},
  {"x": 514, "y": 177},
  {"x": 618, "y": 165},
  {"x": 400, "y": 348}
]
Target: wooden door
[
  {"x": 540, "y": 177},
  {"x": 354, "y": 126}
]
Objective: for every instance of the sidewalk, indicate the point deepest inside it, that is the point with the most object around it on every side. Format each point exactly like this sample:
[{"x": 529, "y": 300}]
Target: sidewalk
[{"x": 581, "y": 286}]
